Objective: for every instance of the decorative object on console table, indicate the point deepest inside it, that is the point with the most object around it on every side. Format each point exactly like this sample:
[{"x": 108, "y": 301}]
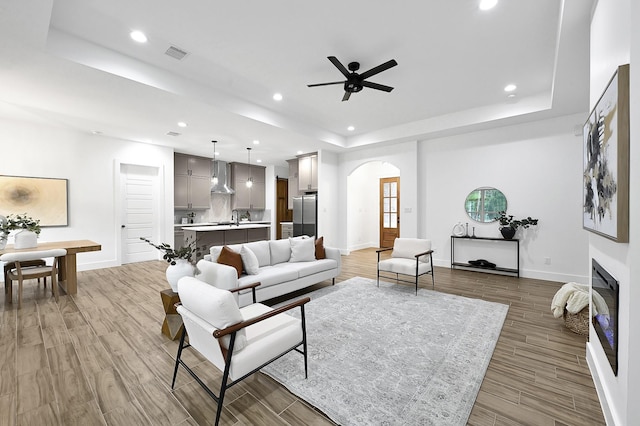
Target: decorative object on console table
[
  {"x": 29, "y": 230},
  {"x": 606, "y": 162},
  {"x": 509, "y": 225},
  {"x": 458, "y": 230}
]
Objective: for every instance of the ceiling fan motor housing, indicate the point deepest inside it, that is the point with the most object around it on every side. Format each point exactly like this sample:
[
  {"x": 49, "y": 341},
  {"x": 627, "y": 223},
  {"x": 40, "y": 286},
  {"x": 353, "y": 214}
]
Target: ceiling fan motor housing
[{"x": 352, "y": 86}]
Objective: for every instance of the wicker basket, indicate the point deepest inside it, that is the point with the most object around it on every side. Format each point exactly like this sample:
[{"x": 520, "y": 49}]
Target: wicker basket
[{"x": 578, "y": 323}]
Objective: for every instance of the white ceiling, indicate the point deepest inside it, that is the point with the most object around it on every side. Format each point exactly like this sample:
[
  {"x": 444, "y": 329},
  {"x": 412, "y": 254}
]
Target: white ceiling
[{"x": 71, "y": 63}]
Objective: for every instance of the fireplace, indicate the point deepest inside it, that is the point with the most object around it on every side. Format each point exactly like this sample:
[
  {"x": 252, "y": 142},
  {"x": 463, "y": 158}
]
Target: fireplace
[{"x": 605, "y": 322}]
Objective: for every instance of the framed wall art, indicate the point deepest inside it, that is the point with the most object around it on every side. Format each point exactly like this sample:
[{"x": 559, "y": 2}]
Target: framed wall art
[
  {"x": 40, "y": 198},
  {"x": 606, "y": 162}
]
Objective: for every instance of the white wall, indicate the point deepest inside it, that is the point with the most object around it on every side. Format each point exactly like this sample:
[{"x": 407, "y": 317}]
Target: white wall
[
  {"x": 404, "y": 156},
  {"x": 89, "y": 163},
  {"x": 363, "y": 203},
  {"x": 538, "y": 166},
  {"x": 614, "y": 41},
  {"x": 328, "y": 198}
]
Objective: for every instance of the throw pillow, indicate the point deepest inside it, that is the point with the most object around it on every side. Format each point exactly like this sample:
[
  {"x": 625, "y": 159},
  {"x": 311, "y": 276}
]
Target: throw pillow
[
  {"x": 249, "y": 260},
  {"x": 320, "y": 253},
  {"x": 231, "y": 258},
  {"x": 302, "y": 250},
  {"x": 280, "y": 251}
]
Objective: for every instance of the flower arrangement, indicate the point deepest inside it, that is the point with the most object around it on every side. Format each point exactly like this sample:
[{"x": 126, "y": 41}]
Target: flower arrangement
[
  {"x": 515, "y": 223},
  {"x": 19, "y": 221},
  {"x": 170, "y": 255}
]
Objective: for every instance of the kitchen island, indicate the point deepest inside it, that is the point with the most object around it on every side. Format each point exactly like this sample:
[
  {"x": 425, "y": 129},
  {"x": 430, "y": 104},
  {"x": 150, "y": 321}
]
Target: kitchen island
[{"x": 217, "y": 235}]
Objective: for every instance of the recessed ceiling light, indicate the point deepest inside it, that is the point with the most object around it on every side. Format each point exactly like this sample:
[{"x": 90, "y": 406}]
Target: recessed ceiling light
[
  {"x": 96, "y": 132},
  {"x": 510, "y": 87},
  {"x": 138, "y": 36},
  {"x": 487, "y": 4},
  {"x": 258, "y": 161},
  {"x": 351, "y": 128},
  {"x": 511, "y": 95},
  {"x": 277, "y": 96},
  {"x": 299, "y": 152},
  {"x": 182, "y": 124},
  {"x": 256, "y": 142}
]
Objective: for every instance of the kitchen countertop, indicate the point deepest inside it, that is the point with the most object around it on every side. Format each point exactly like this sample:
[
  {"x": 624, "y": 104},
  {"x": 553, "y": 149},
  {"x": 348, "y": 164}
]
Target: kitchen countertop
[{"x": 243, "y": 225}]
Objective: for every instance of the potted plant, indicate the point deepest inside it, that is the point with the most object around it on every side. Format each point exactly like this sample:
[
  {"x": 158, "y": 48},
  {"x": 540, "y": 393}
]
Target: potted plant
[
  {"x": 509, "y": 225},
  {"x": 28, "y": 226},
  {"x": 179, "y": 261}
]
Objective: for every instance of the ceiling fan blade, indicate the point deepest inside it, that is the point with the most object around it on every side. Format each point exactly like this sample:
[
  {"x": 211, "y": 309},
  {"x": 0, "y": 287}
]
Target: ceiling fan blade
[
  {"x": 377, "y": 86},
  {"x": 325, "y": 84},
  {"x": 339, "y": 65},
  {"x": 346, "y": 96},
  {"x": 375, "y": 70}
]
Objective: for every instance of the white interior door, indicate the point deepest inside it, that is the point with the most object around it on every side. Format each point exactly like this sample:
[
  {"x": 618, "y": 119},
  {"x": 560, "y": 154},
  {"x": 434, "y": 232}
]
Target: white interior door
[{"x": 139, "y": 212}]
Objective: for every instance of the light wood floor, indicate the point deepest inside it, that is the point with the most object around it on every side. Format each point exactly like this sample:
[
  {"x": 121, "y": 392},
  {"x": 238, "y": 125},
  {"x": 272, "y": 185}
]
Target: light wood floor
[{"x": 99, "y": 358}]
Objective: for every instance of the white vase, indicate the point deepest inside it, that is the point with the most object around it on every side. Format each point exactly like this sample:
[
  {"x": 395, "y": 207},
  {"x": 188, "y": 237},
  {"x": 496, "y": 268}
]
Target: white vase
[
  {"x": 25, "y": 239},
  {"x": 182, "y": 268}
]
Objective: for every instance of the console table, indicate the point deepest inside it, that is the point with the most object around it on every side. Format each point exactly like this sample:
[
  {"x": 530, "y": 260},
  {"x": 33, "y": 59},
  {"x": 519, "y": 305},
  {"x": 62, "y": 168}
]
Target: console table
[{"x": 466, "y": 265}]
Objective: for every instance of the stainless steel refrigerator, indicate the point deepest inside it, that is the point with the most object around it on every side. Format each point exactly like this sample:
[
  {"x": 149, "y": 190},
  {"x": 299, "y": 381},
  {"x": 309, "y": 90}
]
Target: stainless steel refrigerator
[{"x": 305, "y": 215}]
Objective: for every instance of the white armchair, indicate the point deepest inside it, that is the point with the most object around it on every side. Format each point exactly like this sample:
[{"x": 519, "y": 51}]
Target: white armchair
[
  {"x": 410, "y": 256},
  {"x": 238, "y": 342}
]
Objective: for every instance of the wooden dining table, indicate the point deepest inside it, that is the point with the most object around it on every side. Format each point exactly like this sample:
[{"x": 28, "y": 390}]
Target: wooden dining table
[{"x": 68, "y": 275}]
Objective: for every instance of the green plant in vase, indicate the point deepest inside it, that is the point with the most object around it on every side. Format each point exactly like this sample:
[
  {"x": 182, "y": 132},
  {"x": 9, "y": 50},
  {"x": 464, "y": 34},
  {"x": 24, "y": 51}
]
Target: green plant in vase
[{"x": 509, "y": 225}]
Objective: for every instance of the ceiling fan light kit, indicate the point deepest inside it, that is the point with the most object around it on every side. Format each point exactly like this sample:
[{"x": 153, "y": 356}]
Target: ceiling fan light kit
[{"x": 356, "y": 82}]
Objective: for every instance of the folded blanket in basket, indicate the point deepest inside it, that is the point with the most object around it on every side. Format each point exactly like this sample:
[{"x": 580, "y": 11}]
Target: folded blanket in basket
[{"x": 575, "y": 297}]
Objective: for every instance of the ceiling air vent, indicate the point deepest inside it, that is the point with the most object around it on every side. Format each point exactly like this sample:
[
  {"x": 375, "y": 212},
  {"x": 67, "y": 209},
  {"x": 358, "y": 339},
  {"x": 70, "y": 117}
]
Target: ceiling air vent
[
  {"x": 176, "y": 52},
  {"x": 173, "y": 134}
]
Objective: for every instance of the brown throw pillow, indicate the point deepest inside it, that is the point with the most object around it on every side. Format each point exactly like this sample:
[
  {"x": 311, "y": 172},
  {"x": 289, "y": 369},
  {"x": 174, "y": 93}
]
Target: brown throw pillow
[
  {"x": 231, "y": 258},
  {"x": 320, "y": 254}
]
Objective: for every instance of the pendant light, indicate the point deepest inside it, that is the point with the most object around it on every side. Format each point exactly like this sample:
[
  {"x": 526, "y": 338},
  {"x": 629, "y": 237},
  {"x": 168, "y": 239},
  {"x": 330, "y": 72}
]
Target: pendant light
[
  {"x": 250, "y": 180},
  {"x": 214, "y": 178}
]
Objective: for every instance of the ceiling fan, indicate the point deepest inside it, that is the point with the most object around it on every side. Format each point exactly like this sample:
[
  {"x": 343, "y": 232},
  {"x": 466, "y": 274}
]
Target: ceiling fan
[{"x": 355, "y": 82}]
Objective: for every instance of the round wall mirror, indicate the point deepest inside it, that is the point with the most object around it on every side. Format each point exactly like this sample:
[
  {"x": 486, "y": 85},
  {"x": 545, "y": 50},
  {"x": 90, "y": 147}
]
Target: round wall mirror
[{"x": 484, "y": 204}]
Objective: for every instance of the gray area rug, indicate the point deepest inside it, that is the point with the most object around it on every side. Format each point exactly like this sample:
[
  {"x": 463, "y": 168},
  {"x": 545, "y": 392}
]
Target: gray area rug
[{"x": 383, "y": 356}]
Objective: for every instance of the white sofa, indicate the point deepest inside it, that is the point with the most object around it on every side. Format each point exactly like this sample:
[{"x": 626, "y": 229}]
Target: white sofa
[{"x": 283, "y": 266}]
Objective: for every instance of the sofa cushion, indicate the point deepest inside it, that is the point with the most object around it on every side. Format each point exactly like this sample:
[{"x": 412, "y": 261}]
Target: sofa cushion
[
  {"x": 231, "y": 258},
  {"x": 309, "y": 268},
  {"x": 214, "y": 305},
  {"x": 280, "y": 251},
  {"x": 249, "y": 260},
  {"x": 302, "y": 250},
  {"x": 320, "y": 253},
  {"x": 262, "y": 252},
  {"x": 270, "y": 275}
]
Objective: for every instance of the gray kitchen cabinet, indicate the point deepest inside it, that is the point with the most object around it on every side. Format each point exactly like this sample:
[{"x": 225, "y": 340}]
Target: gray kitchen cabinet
[
  {"x": 248, "y": 198},
  {"x": 308, "y": 172},
  {"x": 192, "y": 182}
]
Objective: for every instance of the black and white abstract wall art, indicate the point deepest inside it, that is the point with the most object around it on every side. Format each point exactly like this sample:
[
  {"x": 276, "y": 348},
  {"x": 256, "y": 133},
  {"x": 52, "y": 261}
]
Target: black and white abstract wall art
[{"x": 606, "y": 161}]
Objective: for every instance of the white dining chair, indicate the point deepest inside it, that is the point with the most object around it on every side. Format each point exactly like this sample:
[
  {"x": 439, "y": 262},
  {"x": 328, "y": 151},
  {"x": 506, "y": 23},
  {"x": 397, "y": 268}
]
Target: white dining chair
[{"x": 20, "y": 273}]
